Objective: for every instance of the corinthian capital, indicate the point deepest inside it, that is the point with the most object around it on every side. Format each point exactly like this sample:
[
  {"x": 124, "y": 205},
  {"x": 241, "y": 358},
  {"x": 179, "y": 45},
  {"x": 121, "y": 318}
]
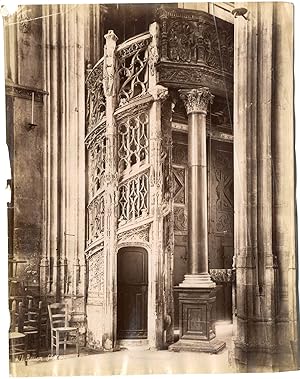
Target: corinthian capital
[{"x": 196, "y": 100}]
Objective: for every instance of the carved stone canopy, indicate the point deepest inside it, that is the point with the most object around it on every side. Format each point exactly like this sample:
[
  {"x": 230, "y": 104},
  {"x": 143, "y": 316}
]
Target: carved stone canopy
[{"x": 196, "y": 100}]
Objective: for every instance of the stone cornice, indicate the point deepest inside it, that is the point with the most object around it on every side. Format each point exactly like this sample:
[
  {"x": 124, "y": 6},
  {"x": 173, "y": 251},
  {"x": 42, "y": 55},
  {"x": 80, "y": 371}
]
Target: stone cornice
[
  {"x": 196, "y": 100},
  {"x": 24, "y": 92}
]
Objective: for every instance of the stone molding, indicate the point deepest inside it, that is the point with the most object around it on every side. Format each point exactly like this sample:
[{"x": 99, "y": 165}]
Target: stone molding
[{"x": 24, "y": 92}]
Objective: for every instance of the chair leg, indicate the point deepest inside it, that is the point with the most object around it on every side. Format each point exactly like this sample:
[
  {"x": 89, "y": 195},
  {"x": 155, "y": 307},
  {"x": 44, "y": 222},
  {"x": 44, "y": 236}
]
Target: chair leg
[
  {"x": 52, "y": 336},
  {"x": 77, "y": 342},
  {"x": 57, "y": 343},
  {"x": 25, "y": 349},
  {"x": 38, "y": 344},
  {"x": 65, "y": 343}
]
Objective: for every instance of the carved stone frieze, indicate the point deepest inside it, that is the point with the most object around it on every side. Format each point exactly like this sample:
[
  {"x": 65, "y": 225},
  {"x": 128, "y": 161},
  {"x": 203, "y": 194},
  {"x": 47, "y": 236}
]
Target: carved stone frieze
[
  {"x": 25, "y": 92},
  {"x": 134, "y": 235},
  {"x": 196, "y": 100},
  {"x": 129, "y": 48},
  {"x": 134, "y": 108},
  {"x": 179, "y": 76},
  {"x": 196, "y": 37}
]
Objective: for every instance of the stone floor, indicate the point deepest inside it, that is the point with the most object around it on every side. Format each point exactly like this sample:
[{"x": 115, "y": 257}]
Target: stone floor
[{"x": 133, "y": 361}]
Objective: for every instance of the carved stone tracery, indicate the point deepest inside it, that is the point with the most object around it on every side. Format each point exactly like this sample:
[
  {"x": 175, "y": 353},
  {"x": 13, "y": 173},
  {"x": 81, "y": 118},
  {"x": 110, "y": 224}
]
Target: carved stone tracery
[
  {"x": 133, "y": 71},
  {"x": 95, "y": 98}
]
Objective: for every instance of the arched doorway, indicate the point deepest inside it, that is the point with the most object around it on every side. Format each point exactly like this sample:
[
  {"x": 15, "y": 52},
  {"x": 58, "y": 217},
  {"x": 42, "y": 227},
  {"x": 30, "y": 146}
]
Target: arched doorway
[{"x": 132, "y": 279}]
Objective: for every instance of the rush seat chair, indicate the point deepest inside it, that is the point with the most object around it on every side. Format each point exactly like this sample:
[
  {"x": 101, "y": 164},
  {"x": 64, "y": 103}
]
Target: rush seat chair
[{"x": 60, "y": 329}]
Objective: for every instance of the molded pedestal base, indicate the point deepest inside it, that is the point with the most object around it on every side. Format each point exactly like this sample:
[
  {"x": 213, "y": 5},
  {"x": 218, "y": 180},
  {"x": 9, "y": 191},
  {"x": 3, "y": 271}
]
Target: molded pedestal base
[
  {"x": 197, "y": 316},
  {"x": 213, "y": 346}
]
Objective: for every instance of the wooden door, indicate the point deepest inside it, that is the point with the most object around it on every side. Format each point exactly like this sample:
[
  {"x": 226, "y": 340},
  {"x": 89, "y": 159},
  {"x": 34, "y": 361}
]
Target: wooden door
[{"x": 132, "y": 293}]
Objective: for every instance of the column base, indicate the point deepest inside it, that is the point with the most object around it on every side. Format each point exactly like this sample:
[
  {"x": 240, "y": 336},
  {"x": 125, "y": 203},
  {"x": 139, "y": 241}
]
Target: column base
[
  {"x": 197, "y": 316},
  {"x": 212, "y": 347},
  {"x": 197, "y": 281}
]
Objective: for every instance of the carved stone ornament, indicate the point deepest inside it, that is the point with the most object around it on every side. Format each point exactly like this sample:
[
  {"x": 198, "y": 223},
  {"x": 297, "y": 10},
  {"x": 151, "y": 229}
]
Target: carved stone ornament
[
  {"x": 221, "y": 275},
  {"x": 196, "y": 100},
  {"x": 109, "y": 62},
  {"x": 159, "y": 92},
  {"x": 195, "y": 37},
  {"x": 24, "y": 22},
  {"x": 138, "y": 234},
  {"x": 25, "y": 92},
  {"x": 153, "y": 48},
  {"x": 96, "y": 276}
]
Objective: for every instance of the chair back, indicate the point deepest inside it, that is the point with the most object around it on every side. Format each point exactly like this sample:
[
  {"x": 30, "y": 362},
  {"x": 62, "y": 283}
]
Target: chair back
[
  {"x": 58, "y": 315},
  {"x": 33, "y": 314},
  {"x": 17, "y": 315}
]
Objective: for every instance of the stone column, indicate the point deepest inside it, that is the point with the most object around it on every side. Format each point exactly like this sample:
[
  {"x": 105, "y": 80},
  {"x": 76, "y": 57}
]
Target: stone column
[
  {"x": 197, "y": 296},
  {"x": 196, "y": 102}
]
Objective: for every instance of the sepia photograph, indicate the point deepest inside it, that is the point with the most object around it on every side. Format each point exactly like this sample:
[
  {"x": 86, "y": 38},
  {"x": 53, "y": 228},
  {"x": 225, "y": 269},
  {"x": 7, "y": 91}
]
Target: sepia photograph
[{"x": 151, "y": 217}]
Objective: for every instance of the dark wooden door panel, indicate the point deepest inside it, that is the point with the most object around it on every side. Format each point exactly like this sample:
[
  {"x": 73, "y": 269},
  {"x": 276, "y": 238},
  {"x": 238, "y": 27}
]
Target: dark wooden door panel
[{"x": 132, "y": 293}]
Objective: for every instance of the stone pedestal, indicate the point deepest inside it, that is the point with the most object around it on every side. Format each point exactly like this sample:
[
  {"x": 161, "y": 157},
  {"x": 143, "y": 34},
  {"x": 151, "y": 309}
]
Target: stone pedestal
[{"x": 197, "y": 316}]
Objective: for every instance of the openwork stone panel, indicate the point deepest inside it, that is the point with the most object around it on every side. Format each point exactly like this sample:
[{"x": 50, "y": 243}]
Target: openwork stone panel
[
  {"x": 96, "y": 278},
  {"x": 95, "y": 98},
  {"x": 133, "y": 198},
  {"x": 133, "y": 141},
  {"x": 133, "y": 69},
  {"x": 97, "y": 152},
  {"x": 95, "y": 219}
]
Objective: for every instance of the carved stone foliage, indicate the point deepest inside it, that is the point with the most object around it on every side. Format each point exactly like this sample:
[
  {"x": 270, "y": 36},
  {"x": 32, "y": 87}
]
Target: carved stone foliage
[
  {"x": 135, "y": 235},
  {"x": 95, "y": 98},
  {"x": 224, "y": 190},
  {"x": 96, "y": 277},
  {"x": 133, "y": 141},
  {"x": 95, "y": 215},
  {"x": 196, "y": 100},
  {"x": 180, "y": 219},
  {"x": 133, "y": 198},
  {"x": 133, "y": 69},
  {"x": 196, "y": 37},
  {"x": 179, "y": 185},
  {"x": 221, "y": 275}
]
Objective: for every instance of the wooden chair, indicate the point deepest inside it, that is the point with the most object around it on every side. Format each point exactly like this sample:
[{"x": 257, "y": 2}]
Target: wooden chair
[
  {"x": 32, "y": 325},
  {"x": 17, "y": 338},
  {"x": 59, "y": 327}
]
